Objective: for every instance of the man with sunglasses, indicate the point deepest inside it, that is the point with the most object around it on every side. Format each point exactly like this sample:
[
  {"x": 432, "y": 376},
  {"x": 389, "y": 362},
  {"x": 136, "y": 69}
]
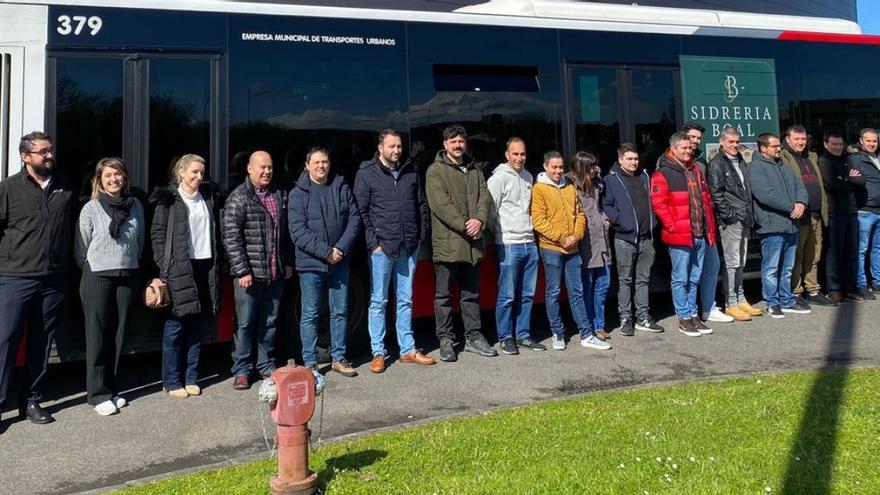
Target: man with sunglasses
[{"x": 36, "y": 219}]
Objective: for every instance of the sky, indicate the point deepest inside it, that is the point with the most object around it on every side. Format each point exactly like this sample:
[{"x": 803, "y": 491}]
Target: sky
[{"x": 869, "y": 16}]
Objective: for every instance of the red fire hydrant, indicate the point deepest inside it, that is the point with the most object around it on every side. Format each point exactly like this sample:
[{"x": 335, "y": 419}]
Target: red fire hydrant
[{"x": 295, "y": 404}]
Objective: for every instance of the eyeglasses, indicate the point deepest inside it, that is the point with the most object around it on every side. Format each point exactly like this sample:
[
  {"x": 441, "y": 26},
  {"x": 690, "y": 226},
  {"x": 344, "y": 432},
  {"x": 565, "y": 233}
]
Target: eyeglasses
[{"x": 44, "y": 153}]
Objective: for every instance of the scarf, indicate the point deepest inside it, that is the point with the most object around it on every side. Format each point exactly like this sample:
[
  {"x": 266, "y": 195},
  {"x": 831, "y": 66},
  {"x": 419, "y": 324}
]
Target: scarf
[{"x": 118, "y": 208}]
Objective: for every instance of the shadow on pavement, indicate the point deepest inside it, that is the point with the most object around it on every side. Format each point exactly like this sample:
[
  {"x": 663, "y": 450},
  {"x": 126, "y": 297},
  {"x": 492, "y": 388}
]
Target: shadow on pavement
[
  {"x": 811, "y": 457},
  {"x": 352, "y": 462}
]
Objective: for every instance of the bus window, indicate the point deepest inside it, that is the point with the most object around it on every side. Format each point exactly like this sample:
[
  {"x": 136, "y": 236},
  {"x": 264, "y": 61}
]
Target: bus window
[
  {"x": 88, "y": 123},
  {"x": 595, "y": 112},
  {"x": 653, "y": 111}
]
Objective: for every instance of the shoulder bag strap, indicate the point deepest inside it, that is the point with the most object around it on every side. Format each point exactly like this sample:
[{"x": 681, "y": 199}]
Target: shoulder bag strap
[{"x": 169, "y": 231}]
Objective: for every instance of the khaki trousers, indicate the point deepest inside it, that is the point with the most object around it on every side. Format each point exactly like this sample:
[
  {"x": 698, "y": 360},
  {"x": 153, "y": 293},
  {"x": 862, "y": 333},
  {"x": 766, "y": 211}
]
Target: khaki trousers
[{"x": 805, "y": 274}]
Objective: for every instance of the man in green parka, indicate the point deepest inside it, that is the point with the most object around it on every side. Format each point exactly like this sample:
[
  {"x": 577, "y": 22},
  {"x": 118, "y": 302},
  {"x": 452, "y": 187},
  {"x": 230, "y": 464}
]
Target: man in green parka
[{"x": 460, "y": 203}]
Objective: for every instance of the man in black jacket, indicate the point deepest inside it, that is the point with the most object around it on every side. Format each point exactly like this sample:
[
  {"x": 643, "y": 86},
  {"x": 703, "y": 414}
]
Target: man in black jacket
[
  {"x": 260, "y": 254},
  {"x": 732, "y": 200},
  {"x": 36, "y": 217},
  {"x": 840, "y": 182},
  {"x": 395, "y": 216},
  {"x": 867, "y": 162}
]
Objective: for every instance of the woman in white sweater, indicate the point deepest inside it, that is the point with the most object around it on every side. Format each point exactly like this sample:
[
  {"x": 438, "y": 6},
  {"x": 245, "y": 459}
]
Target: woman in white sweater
[{"x": 110, "y": 240}]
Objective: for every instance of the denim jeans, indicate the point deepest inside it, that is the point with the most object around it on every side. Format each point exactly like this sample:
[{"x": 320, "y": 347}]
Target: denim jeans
[
  {"x": 596, "y": 282},
  {"x": 517, "y": 276},
  {"x": 633, "y": 261},
  {"x": 382, "y": 267},
  {"x": 869, "y": 234},
  {"x": 735, "y": 246},
  {"x": 256, "y": 309},
  {"x": 312, "y": 286},
  {"x": 708, "y": 287},
  {"x": 777, "y": 261},
  {"x": 557, "y": 265},
  {"x": 841, "y": 266},
  {"x": 181, "y": 347},
  {"x": 687, "y": 268}
]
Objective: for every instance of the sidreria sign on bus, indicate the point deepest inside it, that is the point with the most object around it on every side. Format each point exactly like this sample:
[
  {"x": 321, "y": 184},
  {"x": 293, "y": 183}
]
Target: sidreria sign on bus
[{"x": 730, "y": 92}]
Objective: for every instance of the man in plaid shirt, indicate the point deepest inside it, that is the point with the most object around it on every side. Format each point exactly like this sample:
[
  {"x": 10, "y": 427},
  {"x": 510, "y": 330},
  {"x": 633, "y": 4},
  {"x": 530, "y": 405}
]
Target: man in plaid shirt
[{"x": 260, "y": 255}]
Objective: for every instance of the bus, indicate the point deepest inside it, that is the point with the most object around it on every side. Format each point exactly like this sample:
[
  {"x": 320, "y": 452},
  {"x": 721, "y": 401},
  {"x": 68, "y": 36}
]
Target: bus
[{"x": 149, "y": 80}]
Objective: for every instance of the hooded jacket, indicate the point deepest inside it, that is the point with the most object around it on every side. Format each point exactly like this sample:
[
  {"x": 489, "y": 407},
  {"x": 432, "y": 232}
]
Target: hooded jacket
[
  {"x": 618, "y": 206},
  {"x": 315, "y": 229},
  {"x": 557, "y": 214},
  {"x": 36, "y": 226},
  {"x": 731, "y": 198},
  {"x": 394, "y": 211},
  {"x": 775, "y": 190},
  {"x": 671, "y": 202},
  {"x": 454, "y": 196},
  {"x": 180, "y": 280},
  {"x": 512, "y": 196}
]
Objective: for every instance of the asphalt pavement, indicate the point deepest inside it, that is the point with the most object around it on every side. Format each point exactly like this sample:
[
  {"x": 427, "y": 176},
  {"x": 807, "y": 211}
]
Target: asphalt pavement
[{"x": 156, "y": 434}]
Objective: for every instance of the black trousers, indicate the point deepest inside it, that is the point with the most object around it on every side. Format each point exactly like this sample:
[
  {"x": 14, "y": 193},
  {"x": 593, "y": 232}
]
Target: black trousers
[
  {"x": 468, "y": 278},
  {"x": 107, "y": 303},
  {"x": 841, "y": 261},
  {"x": 39, "y": 301}
]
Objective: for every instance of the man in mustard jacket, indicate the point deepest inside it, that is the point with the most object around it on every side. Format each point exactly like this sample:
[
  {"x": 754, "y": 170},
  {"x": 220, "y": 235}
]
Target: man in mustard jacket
[
  {"x": 560, "y": 224},
  {"x": 460, "y": 204}
]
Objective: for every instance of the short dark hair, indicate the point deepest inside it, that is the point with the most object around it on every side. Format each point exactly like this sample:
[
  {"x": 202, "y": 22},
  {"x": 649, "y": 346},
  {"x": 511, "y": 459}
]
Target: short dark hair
[
  {"x": 764, "y": 139},
  {"x": 551, "y": 155},
  {"x": 867, "y": 130},
  {"x": 625, "y": 148},
  {"x": 511, "y": 140},
  {"x": 27, "y": 141},
  {"x": 692, "y": 126},
  {"x": 316, "y": 149},
  {"x": 453, "y": 131},
  {"x": 831, "y": 134},
  {"x": 795, "y": 129},
  {"x": 387, "y": 132}
]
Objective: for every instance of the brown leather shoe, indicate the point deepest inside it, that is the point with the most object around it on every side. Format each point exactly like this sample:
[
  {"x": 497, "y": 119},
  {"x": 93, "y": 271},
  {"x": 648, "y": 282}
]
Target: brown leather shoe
[
  {"x": 603, "y": 335},
  {"x": 343, "y": 368},
  {"x": 737, "y": 313},
  {"x": 748, "y": 308},
  {"x": 417, "y": 358},
  {"x": 835, "y": 297},
  {"x": 377, "y": 365}
]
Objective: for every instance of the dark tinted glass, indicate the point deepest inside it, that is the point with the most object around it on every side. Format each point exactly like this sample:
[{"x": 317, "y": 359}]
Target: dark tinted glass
[
  {"x": 653, "y": 111},
  {"x": 89, "y": 115},
  {"x": 286, "y": 97},
  {"x": 485, "y": 78},
  {"x": 595, "y": 112},
  {"x": 180, "y": 113},
  {"x": 516, "y": 106}
]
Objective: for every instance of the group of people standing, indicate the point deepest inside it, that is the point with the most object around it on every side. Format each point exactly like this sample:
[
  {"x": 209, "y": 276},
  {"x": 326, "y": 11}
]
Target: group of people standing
[{"x": 575, "y": 222}]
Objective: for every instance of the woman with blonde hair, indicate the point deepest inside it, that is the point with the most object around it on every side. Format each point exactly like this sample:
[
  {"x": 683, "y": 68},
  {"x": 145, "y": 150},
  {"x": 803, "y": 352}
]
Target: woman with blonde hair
[
  {"x": 186, "y": 250},
  {"x": 109, "y": 242}
]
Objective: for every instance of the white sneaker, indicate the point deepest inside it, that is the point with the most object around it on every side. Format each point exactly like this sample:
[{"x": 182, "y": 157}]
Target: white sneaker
[
  {"x": 119, "y": 402},
  {"x": 106, "y": 408},
  {"x": 594, "y": 342},
  {"x": 719, "y": 316},
  {"x": 559, "y": 342}
]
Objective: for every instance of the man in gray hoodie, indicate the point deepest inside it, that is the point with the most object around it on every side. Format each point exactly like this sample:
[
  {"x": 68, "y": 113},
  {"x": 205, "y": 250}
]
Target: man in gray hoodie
[{"x": 511, "y": 190}]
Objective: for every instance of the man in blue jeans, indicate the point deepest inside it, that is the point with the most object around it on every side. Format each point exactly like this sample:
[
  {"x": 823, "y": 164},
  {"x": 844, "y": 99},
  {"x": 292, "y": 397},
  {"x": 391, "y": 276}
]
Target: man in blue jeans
[
  {"x": 395, "y": 216},
  {"x": 780, "y": 202},
  {"x": 867, "y": 163},
  {"x": 324, "y": 224},
  {"x": 260, "y": 259},
  {"x": 680, "y": 198},
  {"x": 511, "y": 190},
  {"x": 708, "y": 288}
]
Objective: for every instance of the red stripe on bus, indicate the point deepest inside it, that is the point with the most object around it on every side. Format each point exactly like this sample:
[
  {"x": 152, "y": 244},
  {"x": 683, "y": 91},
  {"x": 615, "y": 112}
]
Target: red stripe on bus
[{"x": 853, "y": 39}]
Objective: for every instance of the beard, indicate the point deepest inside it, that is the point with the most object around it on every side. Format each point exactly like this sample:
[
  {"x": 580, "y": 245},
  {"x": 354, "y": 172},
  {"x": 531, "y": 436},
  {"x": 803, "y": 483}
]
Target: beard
[{"x": 43, "y": 169}]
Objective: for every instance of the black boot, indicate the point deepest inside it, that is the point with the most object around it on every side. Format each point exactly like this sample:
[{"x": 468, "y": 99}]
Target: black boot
[{"x": 36, "y": 414}]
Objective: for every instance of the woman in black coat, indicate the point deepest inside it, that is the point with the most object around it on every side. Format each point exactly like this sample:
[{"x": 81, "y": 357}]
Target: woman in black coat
[{"x": 187, "y": 215}]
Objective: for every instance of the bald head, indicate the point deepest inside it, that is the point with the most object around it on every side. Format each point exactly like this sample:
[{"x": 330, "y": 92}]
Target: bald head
[{"x": 259, "y": 169}]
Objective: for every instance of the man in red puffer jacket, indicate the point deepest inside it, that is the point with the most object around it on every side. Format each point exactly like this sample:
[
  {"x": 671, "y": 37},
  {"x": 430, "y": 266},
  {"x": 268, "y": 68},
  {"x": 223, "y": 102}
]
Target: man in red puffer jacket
[{"x": 680, "y": 198}]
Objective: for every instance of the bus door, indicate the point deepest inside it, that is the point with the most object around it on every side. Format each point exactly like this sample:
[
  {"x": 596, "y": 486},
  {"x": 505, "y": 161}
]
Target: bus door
[
  {"x": 149, "y": 109},
  {"x": 609, "y": 105}
]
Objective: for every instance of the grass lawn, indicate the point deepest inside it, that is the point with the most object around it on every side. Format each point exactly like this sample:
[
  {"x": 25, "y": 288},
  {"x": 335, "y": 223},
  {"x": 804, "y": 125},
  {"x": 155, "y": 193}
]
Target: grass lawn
[{"x": 810, "y": 433}]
